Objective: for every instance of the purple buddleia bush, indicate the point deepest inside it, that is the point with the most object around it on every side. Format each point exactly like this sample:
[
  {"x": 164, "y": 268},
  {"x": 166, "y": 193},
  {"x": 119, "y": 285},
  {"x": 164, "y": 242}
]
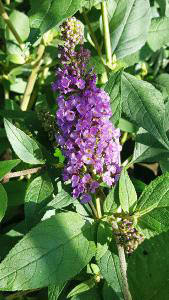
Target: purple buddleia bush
[{"x": 87, "y": 137}]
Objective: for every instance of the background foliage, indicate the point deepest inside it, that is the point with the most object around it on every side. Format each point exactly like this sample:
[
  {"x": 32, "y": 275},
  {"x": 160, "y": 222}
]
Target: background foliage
[{"x": 51, "y": 246}]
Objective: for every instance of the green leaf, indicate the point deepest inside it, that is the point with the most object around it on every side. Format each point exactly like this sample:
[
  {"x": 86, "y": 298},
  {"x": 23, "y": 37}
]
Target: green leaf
[
  {"x": 50, "y": 12},
  {"x": 58, "y": 153},
  {"x": 62, "y": 199},
  {"x": 113, "y": 88},
  {"x": 143, "y": 151},
  {"x": 38, "y": 191},
  {"x": 164, "y": 165},
  {"x": 16, "y": 191},
  {"x": 158, "y": 35},
  {"x": 147, "y": 154},
  {"x": 125, "y": 125},
  {"x": 138, "y": 184},
  {"x": 104, "y": 236},
  {"x": 82, "y": 287},
  {"x": 127, "y": 193},
  {"x": 155, "y": 195},
  {"x": 116, "y": 12},
  {"x": 90, "y": 3},
  {"x": 164, "y": 7},
  {"x": 54, "y": 251},
  {"x": 154, "y": 222},
  {"x": 108, "y": 292},
  {"x": 148, "y": 269},
  {"x": 24, "y": 146},
  {"x": 3, "y": 201},
  {"x": 163, "y": 84},
  {"x": 6, "y": 166},
  {"x": 15, "y": 54},
  {"x": 110, "y": 269},
  {"x": 18, "y": 86},
  {"x": 54, "y": 291},
  {"x": 93, "y": 294},
  {"x": 21, "y": 23},
  {"x": 131, "y": 34},
  {"x": 112, "y": 200},
  {"x": 144, "y": 106}
]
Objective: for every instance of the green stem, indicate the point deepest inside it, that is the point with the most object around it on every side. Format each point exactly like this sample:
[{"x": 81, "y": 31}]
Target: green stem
[
  {"x": 98, "y": 208},
  {"x": 106, "y": 32},
  {"x": 124, "y": 138},
  {"x": 123, "y": 268},
  {"x": 20, "y": 294},
  {"x": 93, "y": 209},
  {"x": 7, "y": 20},
  {"x": 25, "y": 104},
  {"x": 6, "y": 94}
]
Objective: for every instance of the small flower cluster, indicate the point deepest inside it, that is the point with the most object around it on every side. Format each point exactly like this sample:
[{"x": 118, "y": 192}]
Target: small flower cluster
[
  {"x": 88, "y": 139},
  {"x": 128, "y": 236},
  {"x": 48, "y": 123}
]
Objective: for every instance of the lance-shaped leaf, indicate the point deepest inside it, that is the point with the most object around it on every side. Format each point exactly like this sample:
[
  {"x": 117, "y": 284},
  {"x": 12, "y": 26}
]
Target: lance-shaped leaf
[
  {"x": 38, "y": 191},
  {"x": 54, "y": 251},
  {"x": 113, "y": 88},
  {"x": 131, "y": 34},
  {"x": 144, "y": 105},
  {"x": 155, "y": 195},
  {"x": 110, "y": 269},
  {"x": 127, "y": 193},
  {"x": 154, "y": 222},
  {"x": 24, "y": 146},
  {"x": 52, "y": 12},
  {"x": 62, "y": 199}
]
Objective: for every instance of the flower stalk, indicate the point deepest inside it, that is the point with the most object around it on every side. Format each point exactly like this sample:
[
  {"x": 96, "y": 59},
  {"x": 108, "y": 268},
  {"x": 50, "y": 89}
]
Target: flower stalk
[
  {"x": 26, "y": 101},
  {"x": 123, "y": 268},
  {"x": 106, "y": 33},
  {"x": 8, "y": 22},
  {"x": 98, "y": 207}
]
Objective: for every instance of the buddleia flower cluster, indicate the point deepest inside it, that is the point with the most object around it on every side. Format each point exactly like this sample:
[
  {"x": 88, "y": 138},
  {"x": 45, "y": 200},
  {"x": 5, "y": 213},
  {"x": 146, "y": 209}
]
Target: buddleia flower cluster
[
  {"x": 128, "y": 236},
  {"x": 88, "y": 139}
]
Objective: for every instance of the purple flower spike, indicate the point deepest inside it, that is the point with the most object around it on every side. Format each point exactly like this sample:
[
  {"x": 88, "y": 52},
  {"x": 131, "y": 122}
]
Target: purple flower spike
[{"x": 87, "y": 137}]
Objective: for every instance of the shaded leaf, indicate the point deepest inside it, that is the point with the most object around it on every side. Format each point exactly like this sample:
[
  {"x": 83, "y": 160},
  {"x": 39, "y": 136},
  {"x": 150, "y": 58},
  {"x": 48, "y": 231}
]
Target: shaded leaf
[
  {"x": 110, "y": 269},
  {"x": 3, "y": 201},
  {"x": 38, "y": 191},
  {"x": 54, "y": 251},
  {"x": 55, "y": 290},
  {"x": 82, "y": 287},
  {"x": 150, "y": 264},
  {"x": 62, "y": 199}
]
